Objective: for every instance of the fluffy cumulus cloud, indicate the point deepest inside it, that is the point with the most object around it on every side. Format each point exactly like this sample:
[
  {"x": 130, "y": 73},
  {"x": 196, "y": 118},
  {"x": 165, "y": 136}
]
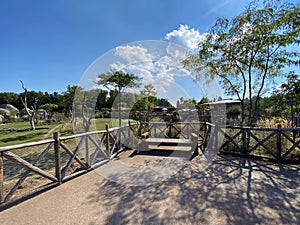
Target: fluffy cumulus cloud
[
  {"x": 186, "y": 36},
  {"x": 156, "y": 62},
  {"x": 134, "y": 53}
]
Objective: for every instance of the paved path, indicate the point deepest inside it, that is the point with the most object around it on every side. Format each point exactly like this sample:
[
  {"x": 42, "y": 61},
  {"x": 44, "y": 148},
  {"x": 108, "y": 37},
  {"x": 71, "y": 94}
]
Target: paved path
[{"x": 230, "y": 191}]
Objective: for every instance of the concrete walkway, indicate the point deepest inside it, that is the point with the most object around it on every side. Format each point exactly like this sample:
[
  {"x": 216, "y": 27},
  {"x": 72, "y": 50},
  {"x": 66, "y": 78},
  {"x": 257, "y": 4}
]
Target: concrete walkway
[{"x": 230, "y": 191}]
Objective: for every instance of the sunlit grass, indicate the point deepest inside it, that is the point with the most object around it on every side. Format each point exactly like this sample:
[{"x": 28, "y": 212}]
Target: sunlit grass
[{"x": 19, "y": 132}]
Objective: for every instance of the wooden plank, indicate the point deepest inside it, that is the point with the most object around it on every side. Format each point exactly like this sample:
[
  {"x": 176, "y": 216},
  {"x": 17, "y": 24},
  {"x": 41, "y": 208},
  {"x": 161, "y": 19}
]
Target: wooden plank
[
  {"x": 82, "y": 134},
  {"x": 168, "y": 141},
  {"x": 1, "y": 179},
  {"x": 261, "y": 142},
  {"x": 14, "y": 158},
  {"x": 27, "y": 195},
  {"x": 164, "y": 143},
  {"x": 67, "y": 166},
  {"x": 230, "y": 139},
  {"x": 172, "y": 148},
  {"x": 26, "y": 173},
  {"x": 9, "y": 148},
  {"x": 57, "y": 157},
  {"x": 98, "y": 149},
  {"x": 66, "y": 148}
]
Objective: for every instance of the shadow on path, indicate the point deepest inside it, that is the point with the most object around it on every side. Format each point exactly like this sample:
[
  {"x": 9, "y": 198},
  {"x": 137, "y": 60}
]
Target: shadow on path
[{"x": 230, "y": 191}]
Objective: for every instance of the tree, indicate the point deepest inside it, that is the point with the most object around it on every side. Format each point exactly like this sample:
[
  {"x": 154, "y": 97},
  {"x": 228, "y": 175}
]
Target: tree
[
  {"x": 162, "y": 102},
  {"x": 49, "y": 107},
  {"x": 68, "y": 99},
  {"x": 291, "y": 89},
  {"x": 249, "y": 50},
  {"x": 32, "y": 113},
  {"x": 118, "y": 80},
  {"x": 10, "y": 98},
  {"x": 101, "y": 99},
  {"x": 148, "y": 95}
]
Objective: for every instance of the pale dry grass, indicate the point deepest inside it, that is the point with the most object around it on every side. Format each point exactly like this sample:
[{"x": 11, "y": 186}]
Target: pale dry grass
[{"x": 273, "y": 123}]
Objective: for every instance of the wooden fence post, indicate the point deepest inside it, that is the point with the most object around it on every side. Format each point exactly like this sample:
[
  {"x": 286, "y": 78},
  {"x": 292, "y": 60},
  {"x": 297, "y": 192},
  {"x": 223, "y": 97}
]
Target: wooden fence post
[
  {"x": 87, "y": 152},
  {"x": 216, "y": 137},
  {"x": 107, "y": 138},
  {"x": 128, "y": 134},
  {"x": 57, "y": 157},
  {"x": 244, "y": 140},
  {"x": 129, "y": 126},
  {"x": 278, "y": 142},
  {"x": 139, "y": 128},
  {"x": 1, "y": 178}
]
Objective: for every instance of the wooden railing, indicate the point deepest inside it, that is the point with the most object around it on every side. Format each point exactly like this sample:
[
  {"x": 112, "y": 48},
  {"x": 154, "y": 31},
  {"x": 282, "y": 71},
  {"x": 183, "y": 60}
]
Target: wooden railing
[
  {"x": 51, "y": 162},
  {"x": 277, "y": 144}
]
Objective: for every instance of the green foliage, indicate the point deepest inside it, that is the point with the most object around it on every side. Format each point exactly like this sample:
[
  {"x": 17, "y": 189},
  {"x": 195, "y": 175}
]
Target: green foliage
[
  {"x": 118, "y": 80},
  {"x": 145, "y": 100},
  {"x": 234, "y": 111},
  {"x": 162, "y": 102},
  {"x": 10, "y": 98},
  {"x": 249, "y": 50},
  {"x": 49, "y": 106}
]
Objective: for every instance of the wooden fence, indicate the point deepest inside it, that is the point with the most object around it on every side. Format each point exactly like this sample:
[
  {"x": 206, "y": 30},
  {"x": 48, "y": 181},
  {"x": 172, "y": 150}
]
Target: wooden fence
[
  {"x": 57, "y": 160},
  {"x": 277, "y": 144},
  {"x": 62, "y": 158}
]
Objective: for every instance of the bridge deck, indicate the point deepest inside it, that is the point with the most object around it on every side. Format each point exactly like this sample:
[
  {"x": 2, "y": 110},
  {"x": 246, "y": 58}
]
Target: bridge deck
[{"x": 230, "y": 191}]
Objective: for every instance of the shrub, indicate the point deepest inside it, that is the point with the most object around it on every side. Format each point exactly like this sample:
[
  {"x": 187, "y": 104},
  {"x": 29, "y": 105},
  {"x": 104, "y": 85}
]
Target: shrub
[
  {"x": 272, "y": 142},
  {"x": 273, "y": 123}
]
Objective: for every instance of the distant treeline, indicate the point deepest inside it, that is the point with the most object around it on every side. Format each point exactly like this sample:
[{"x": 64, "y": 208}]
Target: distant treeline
[{"x": 62, "y": 102}]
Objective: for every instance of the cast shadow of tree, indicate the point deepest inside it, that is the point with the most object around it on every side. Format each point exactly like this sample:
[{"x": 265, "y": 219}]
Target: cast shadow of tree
[{"x": 230, "y": 191}]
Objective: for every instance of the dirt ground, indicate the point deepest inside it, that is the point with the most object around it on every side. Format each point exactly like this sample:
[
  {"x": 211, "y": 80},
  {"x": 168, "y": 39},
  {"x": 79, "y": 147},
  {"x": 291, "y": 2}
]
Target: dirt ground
[{"x": 164, "y": 188}]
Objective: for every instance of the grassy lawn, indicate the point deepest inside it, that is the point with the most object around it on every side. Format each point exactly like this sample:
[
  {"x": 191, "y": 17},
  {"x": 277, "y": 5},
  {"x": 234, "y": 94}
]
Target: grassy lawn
[{"x": 22, "y": 134}]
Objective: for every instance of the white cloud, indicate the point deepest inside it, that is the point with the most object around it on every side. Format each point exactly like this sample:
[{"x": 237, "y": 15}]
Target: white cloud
[
  {"x": 186, "y": 36},
  {"x": 157, "y": 63},
  {"x": 134, "y": 54}
]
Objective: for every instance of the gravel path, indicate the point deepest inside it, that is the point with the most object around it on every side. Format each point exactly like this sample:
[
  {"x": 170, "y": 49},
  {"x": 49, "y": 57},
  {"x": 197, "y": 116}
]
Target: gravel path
[{"x": 230, "y": 191}]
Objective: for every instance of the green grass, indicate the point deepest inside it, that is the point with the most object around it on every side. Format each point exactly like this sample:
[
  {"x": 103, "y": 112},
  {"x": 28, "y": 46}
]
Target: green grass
[
  {"x": 15, "y": 125},
  {"x": 24, "y": 135}
]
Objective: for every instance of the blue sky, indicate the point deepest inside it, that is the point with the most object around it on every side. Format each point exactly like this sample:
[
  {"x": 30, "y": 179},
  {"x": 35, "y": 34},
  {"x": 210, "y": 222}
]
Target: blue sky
[{"x": 50, "y": 44}]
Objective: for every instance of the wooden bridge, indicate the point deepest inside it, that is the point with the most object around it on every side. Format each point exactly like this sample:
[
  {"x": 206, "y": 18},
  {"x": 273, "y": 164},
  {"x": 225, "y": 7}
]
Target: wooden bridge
[{"x": 49, "y": 163}]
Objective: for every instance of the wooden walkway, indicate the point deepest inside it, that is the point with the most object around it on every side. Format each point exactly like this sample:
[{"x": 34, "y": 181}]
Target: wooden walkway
[
  {"x": 230, "y": 191},
  {"x": 174, "y": 144}
]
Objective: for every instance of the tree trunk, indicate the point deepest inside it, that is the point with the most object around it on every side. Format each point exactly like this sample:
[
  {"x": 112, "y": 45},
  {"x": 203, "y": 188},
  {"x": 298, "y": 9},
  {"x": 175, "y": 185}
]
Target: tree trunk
[
  {"x": 32, "y": 122},
  {"x": 243, "y": 112}
]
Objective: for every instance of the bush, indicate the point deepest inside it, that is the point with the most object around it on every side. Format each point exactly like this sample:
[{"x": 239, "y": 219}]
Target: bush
[
  {"x": 273, "y": 123},
  {"x": 271, "y": 143},
  {"x": 59, "y": 117}
]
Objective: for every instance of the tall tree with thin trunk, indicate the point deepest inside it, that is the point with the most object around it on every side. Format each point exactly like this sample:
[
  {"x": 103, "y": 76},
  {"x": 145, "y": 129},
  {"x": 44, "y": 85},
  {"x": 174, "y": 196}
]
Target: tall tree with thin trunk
[
  {"x": 246, "y": 53},
  {"x": 118, "y": 80}
]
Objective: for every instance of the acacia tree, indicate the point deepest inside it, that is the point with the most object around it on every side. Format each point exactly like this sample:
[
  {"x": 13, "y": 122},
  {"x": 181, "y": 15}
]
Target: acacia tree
[
  {"x": 248, "y": 51},
  {"x": 118, "y": 80}
]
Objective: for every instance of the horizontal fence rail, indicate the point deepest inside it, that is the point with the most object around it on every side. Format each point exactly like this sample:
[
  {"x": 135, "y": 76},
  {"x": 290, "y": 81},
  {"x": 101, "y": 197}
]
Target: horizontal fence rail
[
  {"x": 52, "y": 162},
  {"x": 277, "y": 144}
]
